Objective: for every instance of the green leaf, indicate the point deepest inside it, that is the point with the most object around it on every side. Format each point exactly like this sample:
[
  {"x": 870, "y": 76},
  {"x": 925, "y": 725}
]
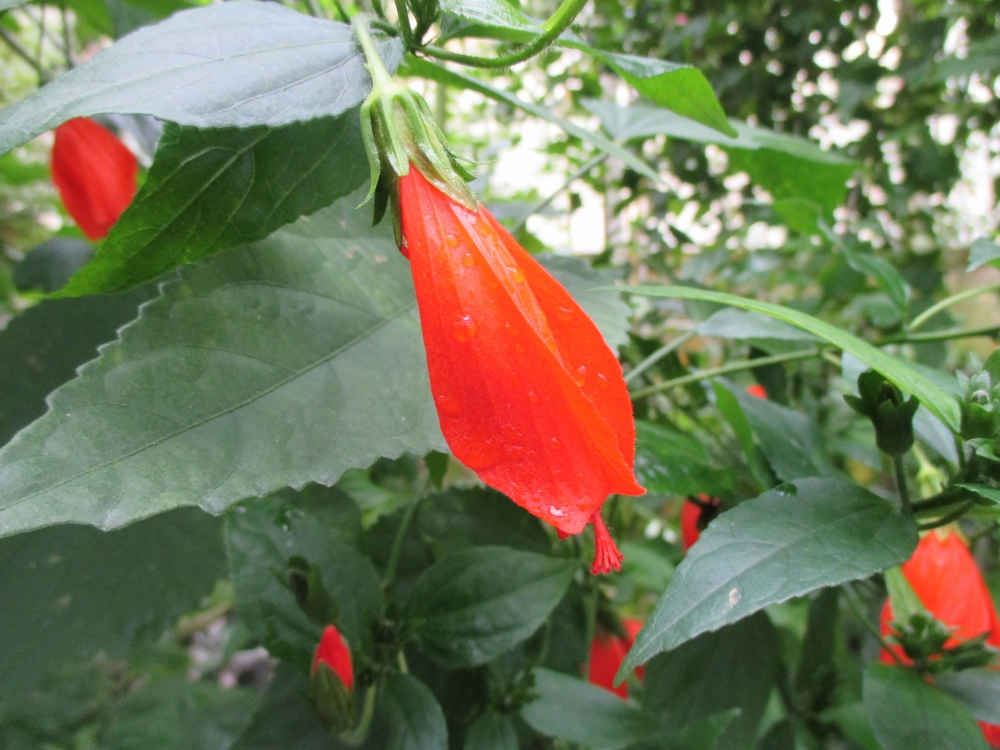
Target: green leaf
[
  {"x": 823, "y": 534},
  {"x": 412, "y": 715},
  {"x": 50, "y": 265},
  {"x": 908, "y": 714},
  {"x": 853, "y": 723},
  {"x": 786, "y": 166},
  {"x": 175, "y": 713},
  {"x": 576, "y": 711},
  {"x": 730, "y": 323},
  {"x": 323, "y": 526},
  {"x": 212, "y": 190},
  {"x": 983, "y": 251},
  {"x": 734, "y": 667},
  {"x": 589, "y": 288},
  {"x": 41, "y": 348},
  {"x": 224, "y": 65},
  {"x": 16, "y": 173},
  {"x": 986, "y": 492},
  {"x": 426, "y": 69},
  {"x": 703, "y": 734},
  {"x": 492, "y": 731},
  {"x": 476, "y": 604},
  {"x": 71, "y": 592},
  {"x": 884, "y": 273},
  {"x": 978, "y": 689},
  {"x": 280, "y": 364},
  {"x": 670, "y": 463},
  {"x": 896, "y": 371}
]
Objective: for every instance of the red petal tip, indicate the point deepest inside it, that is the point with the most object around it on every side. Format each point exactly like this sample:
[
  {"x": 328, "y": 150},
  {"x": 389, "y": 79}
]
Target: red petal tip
[{"x": 606, "y": 554}]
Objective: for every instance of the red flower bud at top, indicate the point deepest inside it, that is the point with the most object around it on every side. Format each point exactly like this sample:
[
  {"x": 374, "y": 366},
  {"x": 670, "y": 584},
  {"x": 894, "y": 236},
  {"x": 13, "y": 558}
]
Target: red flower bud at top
[
  {"x": 695, "y": 516},
  {"x": 333, "y": 652},
  {"x": 529, "y": 395},
  {"x": 757, "y": 390},
  {"x": 945, "y": 577},
  {"x": 95, "y": 175},
  {"x": 606, "y": 655}
]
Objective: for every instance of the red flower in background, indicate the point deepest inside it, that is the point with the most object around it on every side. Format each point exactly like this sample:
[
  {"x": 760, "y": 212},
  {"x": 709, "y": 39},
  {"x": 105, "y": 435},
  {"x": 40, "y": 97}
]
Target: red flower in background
[
  {"x": 95, "y": 175},
  {"x": 606, "y": 655},
  {"x": 529, "y": 395},
  {"x": 945, "y": 577},
  {"x": 333, "y": 652},
  {"x": 695, "y": 516},
  {"x": 757, "y": 390}
]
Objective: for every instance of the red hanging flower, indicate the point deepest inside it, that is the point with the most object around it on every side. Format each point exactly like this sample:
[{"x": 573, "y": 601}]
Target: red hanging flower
[
  {"x": 757, "y": 390},
  {"x": 695, "y": 516},
  {"x": 945, "y": 577},
  {"x": 95, "y": 175},
  {"x": 333, "y": 652},
  {"x": 606, "y": 655}
]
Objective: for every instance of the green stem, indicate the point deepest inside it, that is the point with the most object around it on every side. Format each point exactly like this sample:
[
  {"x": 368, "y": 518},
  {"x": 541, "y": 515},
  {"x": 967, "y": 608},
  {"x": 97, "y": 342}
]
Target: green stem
[
  {"x": 948, "y": 497},
  {"x": 904, "y": 492},
  {"x": 377, "y": 7},
  {"x": 404, "y": 24},
  {"x": 944, "y": 520},
  {"x": 725, "y": 370},
  {"x": 21, "y": 52},
  {"x": 315, "y": 9},
  {"x": 357, "y": 735},
  {"x": 659, "y": 354},
  {"x": 590, "y": 609},
  {"x": 555, "y": 26},
  {"x": 380, "y": 76},
  {"x": 397, "y": 543},
  {"x": 849, "y": 596},
  {"x": 341, "y": 11},
  {"x": 952, "y": 333},
  {"x": 542, "y": 204},
  {"x": 947, "y": 302}
]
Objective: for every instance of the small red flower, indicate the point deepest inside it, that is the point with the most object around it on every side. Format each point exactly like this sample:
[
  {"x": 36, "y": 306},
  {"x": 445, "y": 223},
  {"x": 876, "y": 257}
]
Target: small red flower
[
  {"x": 695, "y": 516},
  {"x": 945, "y": 577},
  {"x": 528, "y": 394},
  {"x": 606, "y": 655},
  {"x": 95, "y": 175},
  {"x": 757, "y": 390},
  {"x": 333, "y": 652}
]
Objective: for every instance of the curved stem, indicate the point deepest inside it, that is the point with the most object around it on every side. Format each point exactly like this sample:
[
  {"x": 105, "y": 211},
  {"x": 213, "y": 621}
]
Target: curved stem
[
  {"x": 542, "y": 204},
  {"x": 944, "y": 520},
  {"x": 725, "y": 370},
  {"x": 904, "y": 492},
  {"x": 404, "y": 24},
  {"x": 951, "y": 333},
  {"x": 380, "y": 76},
  {"x": 555, "y": 26},
  {"x": 355, "y": 736},
  {"x": 659, "y": 354},
  {"x": 933, "y": 310},
  {"x": 397, "y": 543},
  {"x": 855, "y": 605}
]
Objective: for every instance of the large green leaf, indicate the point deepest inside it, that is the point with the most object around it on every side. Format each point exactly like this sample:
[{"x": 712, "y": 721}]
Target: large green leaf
[
  {"x": 221, "y": 65},
  {"x": 323, "y": 526},
  {"x": 732, "y": 668},
  {"x": 476, "y": 604},
  {"x": 681, "y": 88},
  {"x": 492, "y": 731},
  {"x": 212, "y": 190},
  {"x": 412, "y": 715},
  {"x": 279, "y": 364},
  {"x": 785, "y": 543},
  {"x": 576, "y": 711},
  {"x": 70, "y": 592},
  {"x": 896, "y": 371},
  {"x": 978, "y": 689},
  {"x": 419, "y": 66},
  {"x": 908, "y": 714},
  {"x": 670, "y": 463}
]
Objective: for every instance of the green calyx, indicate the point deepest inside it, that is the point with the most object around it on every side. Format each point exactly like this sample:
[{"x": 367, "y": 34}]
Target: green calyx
[
  {"x": 889, "y": 412},
  {"x": 399, "y": 130}
]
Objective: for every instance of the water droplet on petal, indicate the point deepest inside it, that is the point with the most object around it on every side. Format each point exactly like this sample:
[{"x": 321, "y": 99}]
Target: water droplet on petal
[
  {"x": 554, "y": 443},
  {"x": 556, "y": 511},
  {"x": 451, "y": 240},
  {"x": 468, "y": 260},
  {"x": 564, "y": 313},
  {"x": 532, "y": 397},
  {"x": 512, "y": 330},
  {"x": 465, "y": 328},
  {"x": 518, "y": 275},
  {"x": 580, "y": 376},
  {"x": 601, "y": 380}
]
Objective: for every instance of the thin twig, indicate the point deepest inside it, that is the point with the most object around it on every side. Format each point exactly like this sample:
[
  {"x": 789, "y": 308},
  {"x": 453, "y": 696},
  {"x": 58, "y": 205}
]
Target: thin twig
[
  {"x": 944, "y": 520},
  {"x": 21, "y": 52},
  {"x": 904, "y": 492},
  {"x": 849, "y": 596},
  {"x": 947, "y": 302},
  {"x": 542, "y": 204},
  {"x": 951, "y": 333},
  {"x": 397, "y": 544},
  {"x": 659, "y": 354}
]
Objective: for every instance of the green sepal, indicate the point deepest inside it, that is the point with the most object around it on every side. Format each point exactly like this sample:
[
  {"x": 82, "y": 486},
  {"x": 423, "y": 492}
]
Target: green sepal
[
  {"x": 381, "y": 202},
  {"x": 890, "y": 414},
  {"x": 333, "y": 701}
]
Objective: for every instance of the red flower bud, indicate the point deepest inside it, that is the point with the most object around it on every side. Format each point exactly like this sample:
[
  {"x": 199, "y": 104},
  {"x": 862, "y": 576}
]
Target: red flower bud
[
  {"x": 757, "y": 390},
  {"x": 528, "y": 394},
  {"x": 95, "y": 175},
  {"x": 695, "y": 516},
  {"x": 606, "y": 655},
  {"x": 333, "y": 652},
  {"x": 945, "y": 577}
]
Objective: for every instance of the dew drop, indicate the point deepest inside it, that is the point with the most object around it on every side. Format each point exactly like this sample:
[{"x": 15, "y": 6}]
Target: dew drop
[
  {"x": 511, "y": 330},
  {"x": 558, "y": 513},
  {"x": 468, "y": 260},
  {"x": 601, "y": 380},
  {"x": 532, "y": 397},
  {"x": 564, "y": 313},
  {"x": 518, "y": 275},
  {"x": 580, "y": 376},
  {"x": 451, "y": 240},
  {"x": 554, "y": 443},
  {"x": 448, "y": 405},
  {"x": 465, "y": 328}
]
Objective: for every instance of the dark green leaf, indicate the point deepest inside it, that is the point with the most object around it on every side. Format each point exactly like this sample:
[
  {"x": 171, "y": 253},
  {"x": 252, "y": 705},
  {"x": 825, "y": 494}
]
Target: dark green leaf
[
  {"x": 221, "y": 65},
  {"x": 174, "y": 713},
  {"x": 731, "y": 323},
  {"x": 703, "y": 734},
  {"x": 987, "y": 492},
  {"x": 853, "y": 723},
  {"x": 492, "y": 731},
  {"x": 826, "y": 533},
  {"x": 414, "y": 720},
  {"x": 983, "y": 251},
  {"x": 48, "y": 266},
  {"x": 476, "y": 604},
  {"x": 906, "y": 378},
  {"x": 279, "y": 364},
  {"x": 734, "y": 667},
  {"x": 421, "y": 67},
  {"x": 323, "y": 526},
  {"x": 71, "y": 592},
  {"x": 669, "y": 463},
  {"x": 978, "y": 689},
  {"x": 589, "y": 288},
  {"x": 576, "y": 711},
  {"x": 884, "y": 273},
  {"x": 41, "y": 349},
  {"x": 212, "y": 190},
  {"x": 908, "y": 714}
]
